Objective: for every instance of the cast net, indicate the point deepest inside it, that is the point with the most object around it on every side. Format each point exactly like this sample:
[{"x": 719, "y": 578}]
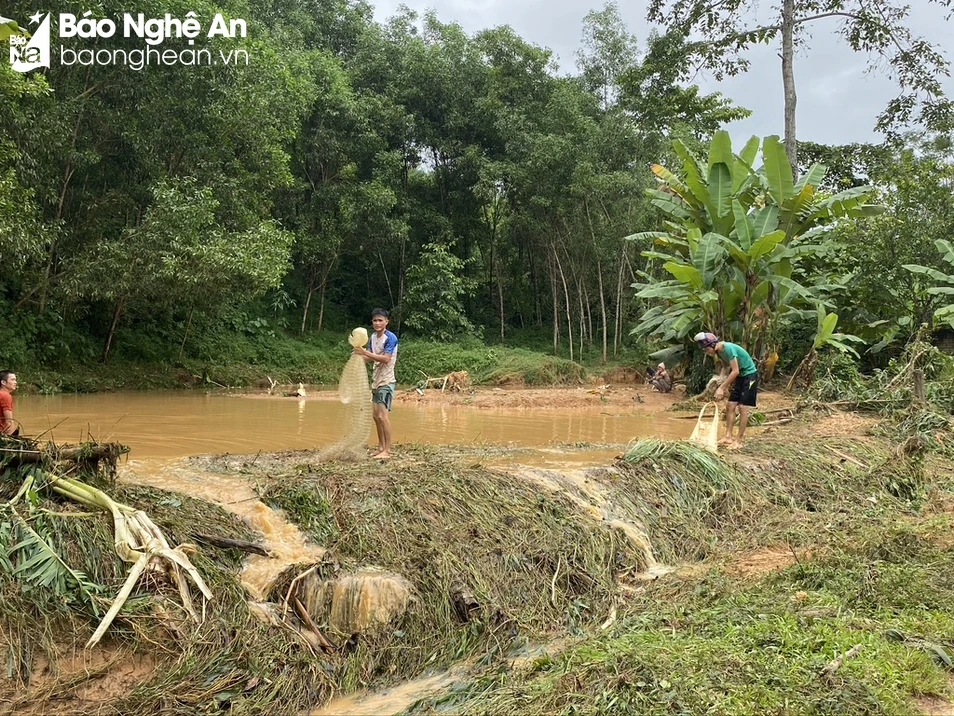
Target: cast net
[{"x": 354, "y": 391}]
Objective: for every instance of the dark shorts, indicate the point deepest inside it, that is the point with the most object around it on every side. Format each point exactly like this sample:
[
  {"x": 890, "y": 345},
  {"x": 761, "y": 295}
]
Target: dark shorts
[
  {"x": 383, "y": 395},
  {"x": 745, "y": 390}
]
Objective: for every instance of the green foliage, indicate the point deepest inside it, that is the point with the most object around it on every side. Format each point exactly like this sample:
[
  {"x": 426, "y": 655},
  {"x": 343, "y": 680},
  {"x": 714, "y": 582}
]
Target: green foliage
[
  {"x": 718, "y": 34},
  {"x": 945, "y": 282},
  {"x": 825, "y": 334},
  {"x": 304, "y": 505},
  {"x": 29, "y": 559},
  {"x": 879, "y": 299},
  {"x": 433, "y": 306},
  {"x": 132, "y": 202},
  {"x": 838, "y": 378},
  {"x": 735, "y": 240}
]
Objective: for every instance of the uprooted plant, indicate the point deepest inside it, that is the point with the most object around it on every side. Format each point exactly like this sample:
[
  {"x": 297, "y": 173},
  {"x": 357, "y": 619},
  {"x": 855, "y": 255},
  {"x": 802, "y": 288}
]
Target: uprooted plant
[{"x": 137, "y": 541}]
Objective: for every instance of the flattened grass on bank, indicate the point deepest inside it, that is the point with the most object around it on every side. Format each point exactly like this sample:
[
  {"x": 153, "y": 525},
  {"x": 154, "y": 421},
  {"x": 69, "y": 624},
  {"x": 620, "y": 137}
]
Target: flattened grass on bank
[
  {"x": 533, "y": 565},
  {"x": 495, "y": 563}
]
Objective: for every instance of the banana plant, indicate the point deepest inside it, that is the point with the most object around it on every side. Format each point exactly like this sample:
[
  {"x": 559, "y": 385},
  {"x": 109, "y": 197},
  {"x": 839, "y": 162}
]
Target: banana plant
[
  {"x": 824, "y": 336},
  {"x": 734, "y": 238},
  {"x": 8, "y": 28},
  {"x": 945, "y": 287}
]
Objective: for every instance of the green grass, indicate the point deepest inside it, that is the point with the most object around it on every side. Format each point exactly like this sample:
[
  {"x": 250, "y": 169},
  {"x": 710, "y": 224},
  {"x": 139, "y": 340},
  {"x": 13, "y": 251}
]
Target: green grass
[
  {"x": 288, "y": 360},
  {"x": 719, "y": 644}
]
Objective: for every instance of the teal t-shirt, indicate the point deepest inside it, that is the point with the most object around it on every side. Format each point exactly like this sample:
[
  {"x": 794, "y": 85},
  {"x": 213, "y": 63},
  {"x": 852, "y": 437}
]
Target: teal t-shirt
[{"x": 746, "y": 364}]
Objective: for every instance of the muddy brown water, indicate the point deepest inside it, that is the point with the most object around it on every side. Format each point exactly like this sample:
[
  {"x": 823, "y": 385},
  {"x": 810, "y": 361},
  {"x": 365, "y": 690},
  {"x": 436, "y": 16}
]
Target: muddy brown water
[{"x": 180, "y": 424}]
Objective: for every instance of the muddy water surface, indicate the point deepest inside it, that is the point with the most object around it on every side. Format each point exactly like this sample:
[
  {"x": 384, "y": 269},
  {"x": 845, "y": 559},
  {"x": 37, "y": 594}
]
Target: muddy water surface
[{"x": 180, "y": 423}]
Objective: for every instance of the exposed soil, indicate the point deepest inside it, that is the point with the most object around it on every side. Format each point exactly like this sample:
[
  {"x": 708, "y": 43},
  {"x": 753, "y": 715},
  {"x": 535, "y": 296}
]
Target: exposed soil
[
  {"x": 634, "y": 397},
  {"x": 100, "y": 677},
  {"x": 755, "y": 564},
  {"x": 936, "y": 705}
]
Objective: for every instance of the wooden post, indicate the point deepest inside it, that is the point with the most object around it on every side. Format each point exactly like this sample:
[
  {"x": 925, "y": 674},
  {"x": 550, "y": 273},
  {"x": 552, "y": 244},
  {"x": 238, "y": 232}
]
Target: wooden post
[{"x": 919, "y": 395}]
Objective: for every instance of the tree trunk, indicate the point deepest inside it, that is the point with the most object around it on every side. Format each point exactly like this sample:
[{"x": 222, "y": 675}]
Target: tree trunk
[
  {"x": 566, "y": 297},
  {"x": 500, "y": 300},
  {"x": 599, "y": 275},
  {"x": 556, "y": 307},
  {"x": 112, "y": 328},
  {"x": 387, "y": 277},
  {"x": 919, "y": 394},
  {"x": 537, "y": 308},
  {"x": 579, "y": 302},
  {"x": 304, "y": 314},
  {"x": 185, "y": 335},
  {"x": 321, "y": 303},
  {"x": 401, "y": 269},
  {"x": 788, "y": 81},
  {"x": 618, "y": 323}
]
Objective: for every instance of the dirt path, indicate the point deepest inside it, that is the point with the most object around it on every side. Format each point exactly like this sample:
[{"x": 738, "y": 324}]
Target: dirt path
[{"x": 619, "y": 396}]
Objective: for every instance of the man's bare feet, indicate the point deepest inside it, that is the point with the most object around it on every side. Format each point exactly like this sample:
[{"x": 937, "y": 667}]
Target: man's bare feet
[
  {"x": 381, "y": 456},
  {"x": 727, "y": 440},
  {"x": 734, "y": 445}
]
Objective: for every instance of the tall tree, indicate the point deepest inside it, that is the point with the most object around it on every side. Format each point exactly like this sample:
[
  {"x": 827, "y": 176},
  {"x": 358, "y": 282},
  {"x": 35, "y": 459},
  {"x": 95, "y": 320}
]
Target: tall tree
[
  {"x": 607, "y": 51},
  {"x": 728, "y": 28}
]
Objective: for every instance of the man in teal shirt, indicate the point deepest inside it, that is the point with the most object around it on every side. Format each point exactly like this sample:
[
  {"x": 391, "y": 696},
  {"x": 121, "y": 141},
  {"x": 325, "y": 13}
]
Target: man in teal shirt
[{"x": 742, "y": 381}]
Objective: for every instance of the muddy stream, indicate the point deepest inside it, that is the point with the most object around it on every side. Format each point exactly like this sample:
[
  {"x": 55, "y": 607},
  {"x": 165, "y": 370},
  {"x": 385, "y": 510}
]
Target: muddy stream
[{"x": 164, "y": 429}]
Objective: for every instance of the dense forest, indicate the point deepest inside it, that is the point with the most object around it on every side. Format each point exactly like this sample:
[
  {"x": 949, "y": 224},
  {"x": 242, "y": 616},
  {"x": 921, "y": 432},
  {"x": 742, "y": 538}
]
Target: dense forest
[{"x": 463, "y": 181}]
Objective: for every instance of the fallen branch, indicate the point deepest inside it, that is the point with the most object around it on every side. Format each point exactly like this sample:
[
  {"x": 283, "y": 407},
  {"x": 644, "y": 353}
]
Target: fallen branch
[
  {"x": 107, "y": 451},
  {"x": 770, "y": 423},
  {"x": 904, "y": 371},
  {"x": 455, "y": 380},
  {"x": 228, "y": 543},
  {"x": 303, "y": 614},
  {"x": 836, "y": 664},
  {"x": 862, "y": 403},
  {"x": 847, "y": 457}
]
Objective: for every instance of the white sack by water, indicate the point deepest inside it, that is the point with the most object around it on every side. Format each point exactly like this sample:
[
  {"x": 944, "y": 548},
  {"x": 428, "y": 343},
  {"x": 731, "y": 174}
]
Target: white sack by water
[{"x": 706, "y": 434}]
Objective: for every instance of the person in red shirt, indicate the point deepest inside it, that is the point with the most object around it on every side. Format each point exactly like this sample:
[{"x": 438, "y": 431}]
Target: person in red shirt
[{"x": 8, "y": 384}]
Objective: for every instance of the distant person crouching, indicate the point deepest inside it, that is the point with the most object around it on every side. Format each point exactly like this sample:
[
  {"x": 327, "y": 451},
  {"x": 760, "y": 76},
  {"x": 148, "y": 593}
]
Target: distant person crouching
[{"x": 660, "y": 379}]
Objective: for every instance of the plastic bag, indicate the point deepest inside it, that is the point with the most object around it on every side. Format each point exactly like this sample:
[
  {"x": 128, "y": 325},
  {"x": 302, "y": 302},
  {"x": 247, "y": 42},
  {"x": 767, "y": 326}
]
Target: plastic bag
[{"x": 706, "y": 433}]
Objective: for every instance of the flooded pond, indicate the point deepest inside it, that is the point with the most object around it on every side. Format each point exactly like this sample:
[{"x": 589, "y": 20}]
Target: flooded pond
[{"x": 175, "y": 424}]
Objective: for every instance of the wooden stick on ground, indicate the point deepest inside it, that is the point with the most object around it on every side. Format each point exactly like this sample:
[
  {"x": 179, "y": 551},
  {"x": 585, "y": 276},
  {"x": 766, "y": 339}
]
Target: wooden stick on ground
[
  {"x": 847, "y": 457},
  {"x": 303, "y": 614},
  {"x": 228, "y": 543},
  {"x": 770, "y": 423},
  {"x": 836, "y": 664}
]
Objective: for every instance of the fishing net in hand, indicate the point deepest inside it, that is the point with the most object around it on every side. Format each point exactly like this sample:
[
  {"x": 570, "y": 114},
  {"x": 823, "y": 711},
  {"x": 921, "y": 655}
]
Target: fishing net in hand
[{"x": 354, "y": 391}]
